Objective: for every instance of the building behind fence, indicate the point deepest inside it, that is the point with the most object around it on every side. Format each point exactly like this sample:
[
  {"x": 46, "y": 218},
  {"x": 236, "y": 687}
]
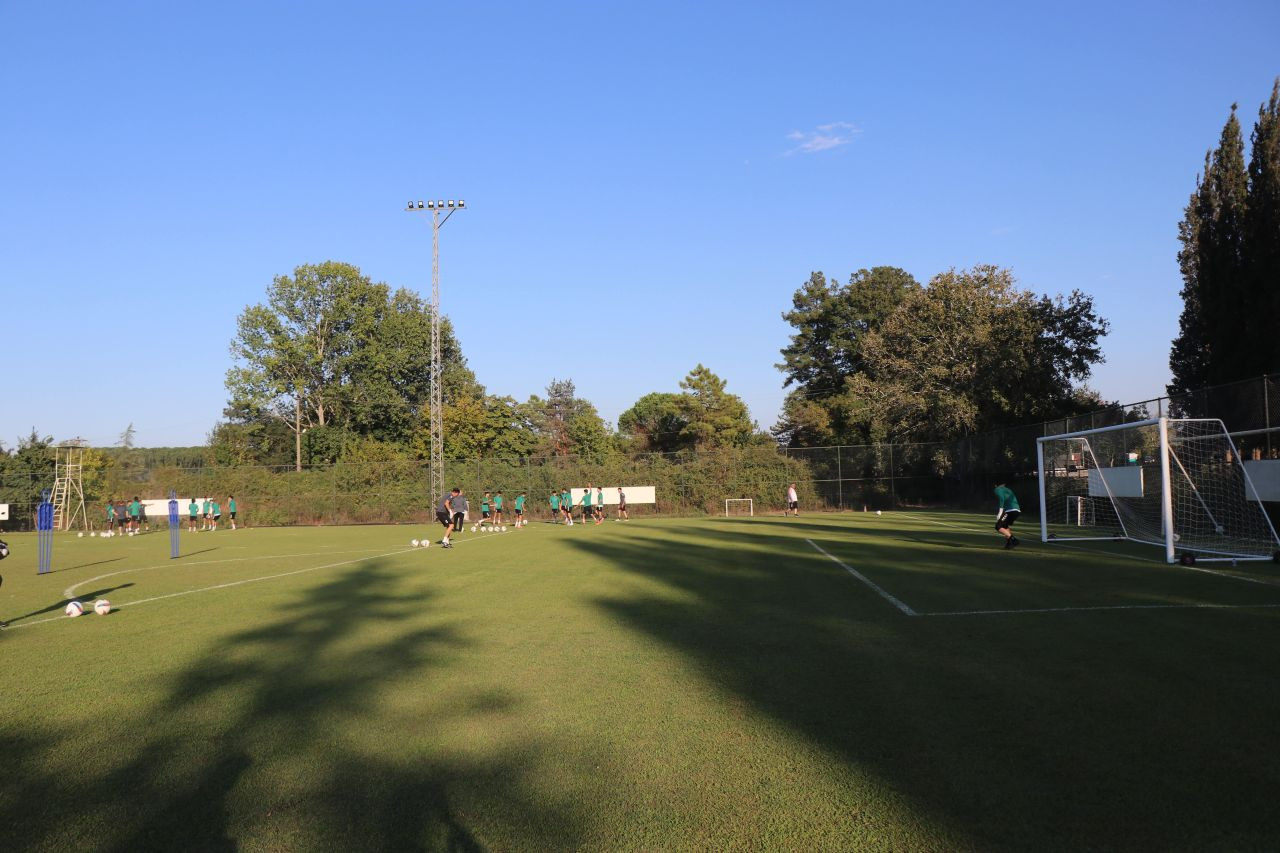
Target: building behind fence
[{"x": 956, "y": 474}]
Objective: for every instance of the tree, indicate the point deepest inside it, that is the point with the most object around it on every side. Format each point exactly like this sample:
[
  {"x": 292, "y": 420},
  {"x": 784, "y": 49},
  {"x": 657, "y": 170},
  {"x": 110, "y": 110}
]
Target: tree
[
  {"x": 332, "y": 348},
  {"x": 126, "y": 437},
  {"x": 1210, "y": 348},
  {"x": 971, "y": 352},
  {"x": 565, "y": 424},
  {"x": 1262, "y": 236},
  {"x": 656, "y": 423},
  {"x": 831, "y": 322},
  {"x": 482, "y": 427},
  {"x": 714, "y": 418}
]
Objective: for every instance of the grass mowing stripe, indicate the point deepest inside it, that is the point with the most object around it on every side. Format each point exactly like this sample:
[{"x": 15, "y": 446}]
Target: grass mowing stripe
[{"x": 886, "y": 596}]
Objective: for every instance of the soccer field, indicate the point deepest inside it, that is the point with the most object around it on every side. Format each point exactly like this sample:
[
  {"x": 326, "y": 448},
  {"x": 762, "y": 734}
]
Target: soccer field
[{"x": 833, "y": 682}]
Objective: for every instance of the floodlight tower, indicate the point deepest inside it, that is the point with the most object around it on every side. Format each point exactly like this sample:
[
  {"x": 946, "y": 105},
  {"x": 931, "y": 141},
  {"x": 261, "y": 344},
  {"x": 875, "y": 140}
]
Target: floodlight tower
[{"x": 435, "y": 208}]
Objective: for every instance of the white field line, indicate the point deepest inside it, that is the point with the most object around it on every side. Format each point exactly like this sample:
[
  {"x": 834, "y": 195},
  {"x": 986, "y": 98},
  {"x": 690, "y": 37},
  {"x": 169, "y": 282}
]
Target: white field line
[
  {"x": 1101, "y": 607},
  {"x": 886, "y": 596},
  {"x": 239, "y": 582},
  {"x": 1124, "y": 556}
]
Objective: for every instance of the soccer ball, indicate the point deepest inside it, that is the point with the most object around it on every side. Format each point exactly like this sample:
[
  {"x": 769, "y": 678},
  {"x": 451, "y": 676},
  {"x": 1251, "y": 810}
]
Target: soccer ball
[
  {"x": 74, "y": 609},
  {"x": 4, "y": 550},
  {"x": 80, "y": 535},
  {"x": 473, "y": 528},
  {"x": 504, "y": 528},
  {"x": 413, "y": 543},
  {"x": 425, "y": 543},
  {"x": 102, "y": 607},
  {"x": 1219, "y": 529},
  {"x": 1177, "y": 538},
  {"x": 877, "y": 512},
  {"x": 93, "y": 533}
]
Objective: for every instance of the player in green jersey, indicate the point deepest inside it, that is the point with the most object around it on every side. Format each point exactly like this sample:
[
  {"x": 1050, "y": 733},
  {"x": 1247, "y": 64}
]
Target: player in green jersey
[
  {"x": 192, "y": 511},
  {"x": 566, "y": 506},
  {"x": 599, "y": 504},
  {"x": 133, "y": 515},
  {"x": 586, "y": 504},
  {"x": 555, "y": 507},
  {"x": 497, "y": 508},
  {"x": 204, "y": 510},
  {"x": 231, "y": 509},
  {"x": 111, "y": 516},
  {"x": 520, "y": 510},
  {"x": 1007, "y": 513}
]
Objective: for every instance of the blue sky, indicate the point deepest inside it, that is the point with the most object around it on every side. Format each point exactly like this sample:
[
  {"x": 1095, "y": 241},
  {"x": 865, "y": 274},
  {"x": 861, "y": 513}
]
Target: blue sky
[{"x": 648, "y": 182}]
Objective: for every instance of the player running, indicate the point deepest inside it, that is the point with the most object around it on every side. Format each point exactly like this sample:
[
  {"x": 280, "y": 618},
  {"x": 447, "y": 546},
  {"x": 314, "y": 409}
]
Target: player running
[
  {"x": 484, "y": 511},
  {"x": 1007, "y": 513},
  {"x": 458, "y": 503}
]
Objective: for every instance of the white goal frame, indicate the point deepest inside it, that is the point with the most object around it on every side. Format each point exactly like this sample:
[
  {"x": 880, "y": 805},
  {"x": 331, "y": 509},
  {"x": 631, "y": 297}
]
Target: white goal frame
[
  {"x": 1171, "y": 469},
  {"x": 751, "y": 507}
]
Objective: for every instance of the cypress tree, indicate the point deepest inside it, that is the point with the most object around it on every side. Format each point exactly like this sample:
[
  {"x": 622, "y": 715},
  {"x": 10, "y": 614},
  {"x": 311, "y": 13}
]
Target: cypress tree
[
  {"x": 1189, "y": 356},
  {"x": 1262, "y": 237}
]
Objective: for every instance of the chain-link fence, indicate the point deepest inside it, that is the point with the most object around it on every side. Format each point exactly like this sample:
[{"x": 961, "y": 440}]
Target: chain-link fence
[{"x": 958, "y": 473}]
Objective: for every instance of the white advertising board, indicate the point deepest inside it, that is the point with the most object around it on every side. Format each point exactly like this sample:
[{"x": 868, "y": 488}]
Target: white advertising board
[
  {"x": 1120, "y": 482},
  {"x": 4, "y": 512},
  {"x": 635, "y": 495}
]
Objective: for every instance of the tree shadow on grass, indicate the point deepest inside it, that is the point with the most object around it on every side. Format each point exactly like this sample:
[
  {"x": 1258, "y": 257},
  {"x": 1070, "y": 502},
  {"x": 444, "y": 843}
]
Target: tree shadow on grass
[
  {"x": 83, "y": 597},
  {"x": 272, "y": 739},
  {"x": 1094, "y": 732}
]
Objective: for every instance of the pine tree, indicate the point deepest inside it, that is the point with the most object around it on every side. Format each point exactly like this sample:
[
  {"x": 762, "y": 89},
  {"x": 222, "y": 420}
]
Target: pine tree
[
  {"x": 1262, "y": 237},
  {"x": 1189, "y": 356}
]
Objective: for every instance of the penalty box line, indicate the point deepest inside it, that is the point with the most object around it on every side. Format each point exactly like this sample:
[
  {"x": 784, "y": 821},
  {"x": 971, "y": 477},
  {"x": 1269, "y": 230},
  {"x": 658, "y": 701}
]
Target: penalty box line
[{"x": 870, "y": 583}]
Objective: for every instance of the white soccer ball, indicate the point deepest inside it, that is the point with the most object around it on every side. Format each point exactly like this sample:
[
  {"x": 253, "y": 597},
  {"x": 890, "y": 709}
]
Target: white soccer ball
[
  {"x": 504, "y": 528},
  {"x": 80, "y": 535},
  {"x": 1219, "y": 529},
  {"x": 102, "y": 607},
  {"x": 425, "y": 543},
  {"x": 473, "y": 529},
  {"x": 1177, "y": 538},
  {"x": 74, "y": 608},
  {"x": 413, "y": 543},
  {"x": 93, "y": 533},
  {"x": 877, "y": 512}
]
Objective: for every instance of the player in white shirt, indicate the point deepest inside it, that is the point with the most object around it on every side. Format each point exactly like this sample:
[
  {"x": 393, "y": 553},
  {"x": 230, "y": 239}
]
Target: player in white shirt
[{"x": 793, "y": 502}]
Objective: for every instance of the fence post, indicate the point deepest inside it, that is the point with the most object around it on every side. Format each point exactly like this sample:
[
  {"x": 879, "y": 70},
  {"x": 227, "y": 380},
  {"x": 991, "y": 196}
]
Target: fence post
[
  {"x": 1266, "y": 412},
  {"x": 893, "y": 489},
  {"x": 839, "y": 480}
]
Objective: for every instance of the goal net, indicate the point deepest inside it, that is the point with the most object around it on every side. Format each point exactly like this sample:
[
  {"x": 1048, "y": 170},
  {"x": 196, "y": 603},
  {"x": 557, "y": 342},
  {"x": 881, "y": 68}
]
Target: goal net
[
  {"x": 738, "y": 506},
  {"x": 1179, "y": 484}
]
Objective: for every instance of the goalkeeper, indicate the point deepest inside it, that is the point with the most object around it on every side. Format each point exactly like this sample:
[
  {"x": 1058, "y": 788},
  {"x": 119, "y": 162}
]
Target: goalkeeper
[{"x": 1006, "y": 514}]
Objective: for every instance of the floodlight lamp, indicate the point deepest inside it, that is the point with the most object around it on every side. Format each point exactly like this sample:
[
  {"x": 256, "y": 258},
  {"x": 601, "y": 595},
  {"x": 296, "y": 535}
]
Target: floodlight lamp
[
  {"x": 440, "y": 202},
  {"x": 461, "y": 203},
  {"x": 431, "y": 205},
  {"x": 410, "y": 205},
  {"x": 451, "y": 204},
  {"x": 419, "y": 204}
]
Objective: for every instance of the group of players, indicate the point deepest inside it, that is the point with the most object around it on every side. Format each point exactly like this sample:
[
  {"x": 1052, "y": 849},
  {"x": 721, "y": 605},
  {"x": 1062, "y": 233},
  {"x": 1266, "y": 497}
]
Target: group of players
[
  {"x": 131, "y": 518},
  {"x": 451, "y": 510}
]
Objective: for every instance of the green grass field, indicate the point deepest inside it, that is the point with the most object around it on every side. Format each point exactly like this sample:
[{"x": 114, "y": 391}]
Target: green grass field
[{"x": 647, "y": 685}]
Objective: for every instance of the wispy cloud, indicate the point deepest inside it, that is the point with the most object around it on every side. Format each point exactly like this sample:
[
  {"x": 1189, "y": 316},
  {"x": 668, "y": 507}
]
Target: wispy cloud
[{"x": 822, "y": 138}]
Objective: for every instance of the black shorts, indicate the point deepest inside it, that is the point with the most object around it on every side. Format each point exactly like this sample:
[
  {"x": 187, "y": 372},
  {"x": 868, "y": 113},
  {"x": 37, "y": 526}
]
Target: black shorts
[
  {"x": 233, "y": 516},
  {"x": 443, "y": 518},
  {"x": 622, "y": 507},
  {"x": 484, "y": 513},
  {"x": 1007, "y": 518},
  {"x": 193, "y": 518},
  {"x": 793, "y": 505},
  {"x": 458, "y": 521},
  {"x": 519, "y": 513},
  {"x": 217, "y": 517}
]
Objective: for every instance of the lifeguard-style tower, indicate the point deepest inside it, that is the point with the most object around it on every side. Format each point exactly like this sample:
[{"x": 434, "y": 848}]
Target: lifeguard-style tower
[{"x": 68, "y": 485}]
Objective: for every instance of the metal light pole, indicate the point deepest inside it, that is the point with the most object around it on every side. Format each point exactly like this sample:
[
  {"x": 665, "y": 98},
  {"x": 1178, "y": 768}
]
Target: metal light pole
[{"x": 437, "y": 395}]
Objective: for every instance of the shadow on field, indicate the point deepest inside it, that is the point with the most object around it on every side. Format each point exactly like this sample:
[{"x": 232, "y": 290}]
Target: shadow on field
[
  {"x": 1090, "y": 731},
  {"x": 261, "y": 741}
]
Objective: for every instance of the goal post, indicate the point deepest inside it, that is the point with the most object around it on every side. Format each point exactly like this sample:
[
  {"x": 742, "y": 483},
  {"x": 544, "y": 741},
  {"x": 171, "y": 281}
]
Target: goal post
[
  {"x": 739, "y": 506},
  {"x": 1178, "y": 484}
]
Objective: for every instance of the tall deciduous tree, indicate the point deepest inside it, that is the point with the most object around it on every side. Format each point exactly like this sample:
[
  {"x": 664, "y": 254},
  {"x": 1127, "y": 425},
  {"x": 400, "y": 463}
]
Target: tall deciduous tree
[
  {"x": 655, "y": 424},
  {"x": 566, "y": 424},
  {"x": 831, "y": 322},
  {"x": 971, "y": 352},
  {"x": 331, "y": 348}
]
